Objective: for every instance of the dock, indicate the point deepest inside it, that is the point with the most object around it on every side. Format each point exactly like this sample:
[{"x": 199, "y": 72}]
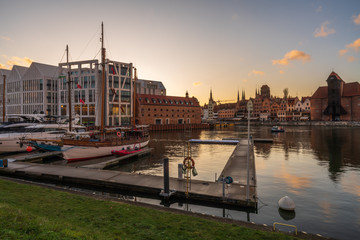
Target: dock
[
  {"x": 94, "y": 177},
  {"x": 236, "y": 166}
]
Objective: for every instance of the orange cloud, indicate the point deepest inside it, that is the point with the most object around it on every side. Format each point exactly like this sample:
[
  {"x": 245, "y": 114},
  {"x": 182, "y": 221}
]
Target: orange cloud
[
  {"x": 351, "y": 59},
  {"x": 196, "y": 84},
  {"x": 5, "y": 38},
  {"x": 292, "y": 55},
  {"x": 355, "y": 45},
  {"x": 244, "y": 80},
  {"x": 342, "y": 52},
  {"x": 25, "y": 61},
  {"x": 281, "y": 71},
  {"x": 3, "y": 66},
  {"x": 323, "y": 31},
  {"x": 255, "y": 72},
  {"x": 356, "y": 19}
]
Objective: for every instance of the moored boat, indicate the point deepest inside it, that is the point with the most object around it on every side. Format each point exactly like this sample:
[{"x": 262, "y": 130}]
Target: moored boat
[{"x": 277, "y": 129}]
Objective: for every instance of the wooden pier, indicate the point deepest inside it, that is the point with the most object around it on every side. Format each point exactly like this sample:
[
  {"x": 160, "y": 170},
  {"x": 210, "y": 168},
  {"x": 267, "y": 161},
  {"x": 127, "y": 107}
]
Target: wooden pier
[{"x": 93, "y": 177}]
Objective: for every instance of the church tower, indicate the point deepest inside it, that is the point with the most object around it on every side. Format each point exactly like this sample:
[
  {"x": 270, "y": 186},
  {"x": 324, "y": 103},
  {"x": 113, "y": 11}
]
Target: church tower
[{"x": 211, "y": 106}]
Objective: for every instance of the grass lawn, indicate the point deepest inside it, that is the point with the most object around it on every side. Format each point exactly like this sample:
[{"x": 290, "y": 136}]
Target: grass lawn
[{"x": 32, "y": 212}]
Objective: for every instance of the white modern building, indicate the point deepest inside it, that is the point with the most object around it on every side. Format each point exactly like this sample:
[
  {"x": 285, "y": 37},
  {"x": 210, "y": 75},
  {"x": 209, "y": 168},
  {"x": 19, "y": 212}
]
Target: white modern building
[
  {"x": 150, "y": 87},
  {"x": 43, "y": 88}
]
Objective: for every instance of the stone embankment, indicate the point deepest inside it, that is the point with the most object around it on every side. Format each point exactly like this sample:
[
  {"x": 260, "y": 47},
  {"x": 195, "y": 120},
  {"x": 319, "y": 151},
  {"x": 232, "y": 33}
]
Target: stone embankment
[{"x": 308, "y": 123}]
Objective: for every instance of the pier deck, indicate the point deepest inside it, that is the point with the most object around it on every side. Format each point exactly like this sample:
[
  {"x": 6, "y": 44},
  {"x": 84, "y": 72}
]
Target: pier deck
[{"x": 236, "y": 166}]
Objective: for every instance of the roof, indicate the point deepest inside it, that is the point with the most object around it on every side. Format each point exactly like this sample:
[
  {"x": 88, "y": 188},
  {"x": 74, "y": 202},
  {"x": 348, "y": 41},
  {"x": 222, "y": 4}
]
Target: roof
[
  {"x": 351, "y": 89},
  {"x": 144, "y": 82},
  {"x": 17, "y": 73},
  {"x": 40, "y": 70},
  {"x": 336, "y": 75},
  {"x": 147, "y": 99},
  {"x": 5, "y": 72},
  {"x": 321, "y": 92}
]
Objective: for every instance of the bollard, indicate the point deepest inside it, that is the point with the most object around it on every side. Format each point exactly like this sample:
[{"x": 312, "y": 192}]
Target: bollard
[
  {"x": 166, "y": 176},
  {"x": 180, "y": 171}
]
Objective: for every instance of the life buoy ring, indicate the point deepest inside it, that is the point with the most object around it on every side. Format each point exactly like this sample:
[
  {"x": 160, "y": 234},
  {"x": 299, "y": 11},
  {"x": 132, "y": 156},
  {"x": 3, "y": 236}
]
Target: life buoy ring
[
  {"x": 186, "y": 162},
  {"x": 118, "y": 134}
]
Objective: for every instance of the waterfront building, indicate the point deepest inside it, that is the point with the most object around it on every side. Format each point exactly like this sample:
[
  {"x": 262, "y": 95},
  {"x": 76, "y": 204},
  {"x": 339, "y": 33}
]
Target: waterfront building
[
  {"x": 86, "y": 88},
  {"x": 211, "y": 107},
  {"x": 4, "y": 74},
  {"x": 150, "y": 87},
  {"x": 336, "y": 101},
  {"x": 265, "y": 91},
  {"x": 227, "y": 113},
  {"x": 43, "y": 88},
  {"x": 158, "y": 109}
]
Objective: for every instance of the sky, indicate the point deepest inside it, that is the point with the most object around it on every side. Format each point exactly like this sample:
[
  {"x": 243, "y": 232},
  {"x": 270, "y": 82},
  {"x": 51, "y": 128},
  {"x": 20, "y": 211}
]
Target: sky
[{"x": 194, "y": 45}]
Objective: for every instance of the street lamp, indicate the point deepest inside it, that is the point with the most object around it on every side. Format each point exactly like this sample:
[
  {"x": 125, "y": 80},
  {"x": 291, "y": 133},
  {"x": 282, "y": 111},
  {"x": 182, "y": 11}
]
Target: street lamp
[{"x": 249, "y": 109}]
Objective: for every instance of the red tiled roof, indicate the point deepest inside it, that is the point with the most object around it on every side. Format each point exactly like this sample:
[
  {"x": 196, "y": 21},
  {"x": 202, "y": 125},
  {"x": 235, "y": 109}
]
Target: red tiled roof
[
  {"x": 321, "y": 92},
  {"x": 336, "y": 75},
  {"x": 351, "y": 89},
  {"x": 147, "y": 99}
]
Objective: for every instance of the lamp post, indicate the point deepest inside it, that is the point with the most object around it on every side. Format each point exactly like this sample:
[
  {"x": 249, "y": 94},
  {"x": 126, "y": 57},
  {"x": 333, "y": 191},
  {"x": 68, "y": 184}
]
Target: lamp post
[{"x": 249, "y": 109}]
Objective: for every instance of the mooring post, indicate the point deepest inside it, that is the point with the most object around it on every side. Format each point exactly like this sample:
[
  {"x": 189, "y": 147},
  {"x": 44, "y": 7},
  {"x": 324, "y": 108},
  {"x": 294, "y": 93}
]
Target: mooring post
[{"x": 166, "y": 176}]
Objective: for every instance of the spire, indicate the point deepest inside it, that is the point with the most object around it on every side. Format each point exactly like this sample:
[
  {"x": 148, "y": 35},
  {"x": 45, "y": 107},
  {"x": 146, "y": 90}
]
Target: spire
[
  {"x": 243, "y": 95},
  {"x": 238, "y": 97},
  {"x": 186, "y": 94},
  {"x": 211, "y": 99}
]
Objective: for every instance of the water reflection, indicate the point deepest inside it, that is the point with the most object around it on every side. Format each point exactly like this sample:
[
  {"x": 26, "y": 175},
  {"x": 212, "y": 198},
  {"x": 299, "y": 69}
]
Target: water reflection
[
  {"x": 338, "y": 147},
  {"x": 286, "y": 215},
  {"x": 318, "y": 166}
]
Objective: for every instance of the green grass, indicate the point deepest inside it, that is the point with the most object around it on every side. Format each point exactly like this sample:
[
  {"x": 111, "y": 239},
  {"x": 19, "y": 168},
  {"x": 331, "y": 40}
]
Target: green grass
[{"x": 32, "y": 212}]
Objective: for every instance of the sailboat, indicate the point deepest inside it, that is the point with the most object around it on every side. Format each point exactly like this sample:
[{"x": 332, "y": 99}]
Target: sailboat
[{"x": 102, "y": 141}]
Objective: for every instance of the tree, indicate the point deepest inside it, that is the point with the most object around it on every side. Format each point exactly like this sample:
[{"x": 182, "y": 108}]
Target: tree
[{"x": 286, "y": 92}]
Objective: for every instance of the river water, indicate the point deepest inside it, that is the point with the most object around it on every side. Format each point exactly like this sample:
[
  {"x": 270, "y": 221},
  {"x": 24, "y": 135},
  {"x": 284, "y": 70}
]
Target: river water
[{"x": 318, "y": 167}]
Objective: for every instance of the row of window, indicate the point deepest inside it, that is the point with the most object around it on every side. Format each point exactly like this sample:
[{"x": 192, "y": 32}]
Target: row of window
[
  {"x": 168, "y": 101},
  {"x": 172, "y": 110},
  {"x": 155, "y": 115}
]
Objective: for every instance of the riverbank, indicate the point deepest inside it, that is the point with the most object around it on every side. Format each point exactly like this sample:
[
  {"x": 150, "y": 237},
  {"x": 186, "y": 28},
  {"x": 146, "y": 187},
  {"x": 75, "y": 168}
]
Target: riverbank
[
  {"x": 308, "y": 123},
  {"x": 33, "y": 212}
]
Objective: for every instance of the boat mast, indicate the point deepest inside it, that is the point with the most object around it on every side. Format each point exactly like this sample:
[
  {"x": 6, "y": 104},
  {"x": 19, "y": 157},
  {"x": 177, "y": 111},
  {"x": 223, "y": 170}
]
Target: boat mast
[
  {"x": 103, "y": 78},
  {"x": 4, "y": 76},
  {"x": 69, "y": 88}
]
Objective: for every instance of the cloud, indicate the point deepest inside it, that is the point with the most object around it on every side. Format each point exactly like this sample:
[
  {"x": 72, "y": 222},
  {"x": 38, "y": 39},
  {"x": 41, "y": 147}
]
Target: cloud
[
  {"x": 291, "y": 56},
  {"x": 196, "y": 84},
  {"x": 281, "y": 71},
  {"x": 255, "y": 72},
  {"x": 342, "y": 52},
  {"x": 5, "y": 38},
  {"x": 355, "y": 45},
  {"x": 356, "y": 19},
  {"x": 3, "y": 66},
  {"x": 319, "y": 9},
  {"x": 323, "y": 31},
  {"x": 10, "y": 61},
  {"x": 244, "y": 80},
  {"x": 351, "y": 59}
]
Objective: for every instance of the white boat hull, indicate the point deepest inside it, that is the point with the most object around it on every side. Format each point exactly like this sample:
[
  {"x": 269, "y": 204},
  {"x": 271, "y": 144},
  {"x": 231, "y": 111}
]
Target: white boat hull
[{"x": 78, "y": 153}]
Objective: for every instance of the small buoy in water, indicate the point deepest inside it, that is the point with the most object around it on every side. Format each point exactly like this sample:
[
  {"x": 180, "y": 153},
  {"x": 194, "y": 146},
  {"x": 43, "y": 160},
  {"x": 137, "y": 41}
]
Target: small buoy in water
[
  {"x": 29, "y": 149},
  {"x": 286, "y": 203}
]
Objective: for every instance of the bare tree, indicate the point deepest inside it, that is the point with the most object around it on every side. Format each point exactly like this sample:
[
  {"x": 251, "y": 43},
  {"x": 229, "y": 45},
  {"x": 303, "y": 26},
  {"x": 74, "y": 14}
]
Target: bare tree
[{"x": 286, "y": 92}]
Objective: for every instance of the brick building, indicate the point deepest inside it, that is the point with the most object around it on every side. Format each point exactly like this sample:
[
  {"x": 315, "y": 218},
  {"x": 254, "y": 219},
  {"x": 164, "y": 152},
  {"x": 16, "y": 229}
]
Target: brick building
[
  {"x": 158, "y": 109},
  {"x": 337, "y": 101}
]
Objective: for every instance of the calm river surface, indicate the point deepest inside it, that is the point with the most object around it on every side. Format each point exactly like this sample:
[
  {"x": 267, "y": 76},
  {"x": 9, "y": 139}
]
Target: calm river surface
[{"x": 318, "y": 167}]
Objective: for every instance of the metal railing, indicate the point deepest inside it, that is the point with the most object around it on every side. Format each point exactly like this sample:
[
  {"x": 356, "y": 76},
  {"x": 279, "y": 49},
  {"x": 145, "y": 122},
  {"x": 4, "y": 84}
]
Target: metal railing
[{"x": 283, "y": 224}]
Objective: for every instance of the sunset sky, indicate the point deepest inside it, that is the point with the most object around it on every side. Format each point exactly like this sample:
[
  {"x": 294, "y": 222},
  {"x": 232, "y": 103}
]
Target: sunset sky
[{"x": 194, "y": 45}]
